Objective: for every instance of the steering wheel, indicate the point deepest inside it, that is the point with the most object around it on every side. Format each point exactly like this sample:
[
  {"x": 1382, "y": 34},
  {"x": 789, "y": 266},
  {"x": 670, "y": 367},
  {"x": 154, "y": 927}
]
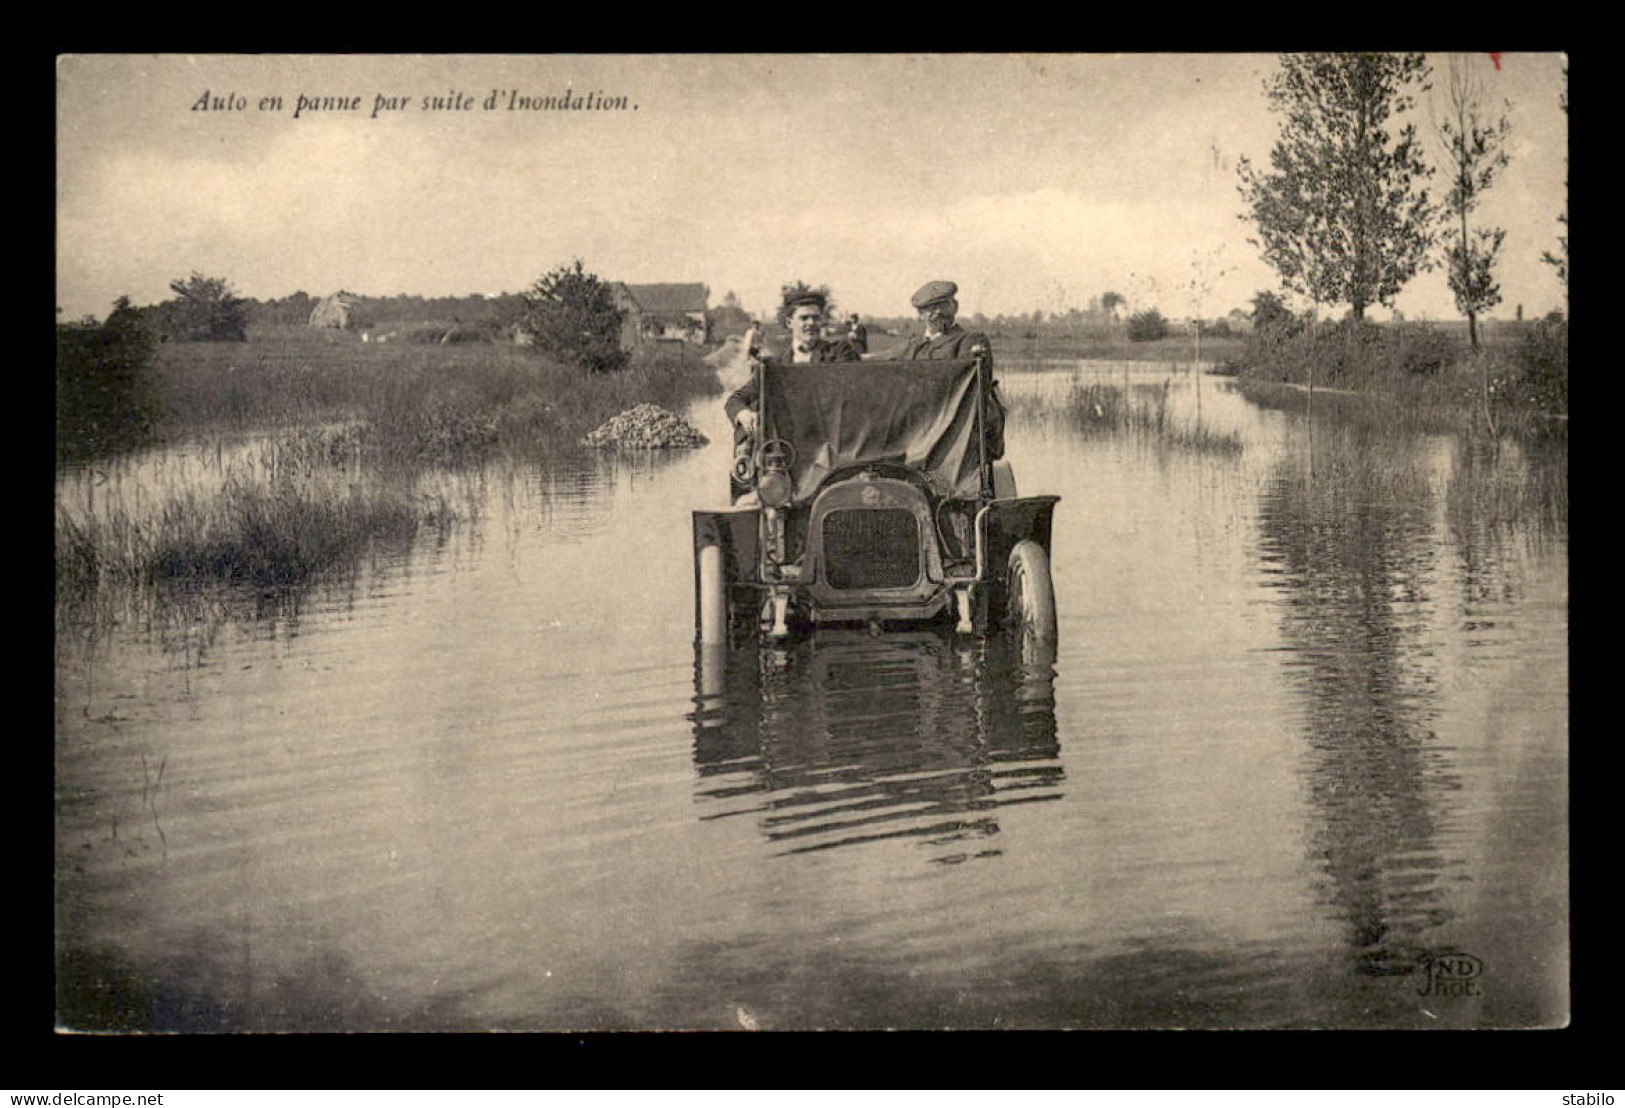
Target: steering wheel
[{"x": 775, "y": 456}]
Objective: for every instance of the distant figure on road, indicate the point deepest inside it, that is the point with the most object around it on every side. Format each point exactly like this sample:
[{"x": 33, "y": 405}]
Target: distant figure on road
[{"x": 858, "y": 335}]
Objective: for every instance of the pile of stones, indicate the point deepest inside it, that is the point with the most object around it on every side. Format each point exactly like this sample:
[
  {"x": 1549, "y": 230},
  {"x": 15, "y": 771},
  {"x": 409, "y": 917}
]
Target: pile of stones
[{"x": 646, "y": 426}]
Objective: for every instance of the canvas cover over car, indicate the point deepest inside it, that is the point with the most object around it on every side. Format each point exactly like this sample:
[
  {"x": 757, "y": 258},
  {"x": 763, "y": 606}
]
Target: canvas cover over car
[{"x": 838, "y": 414}]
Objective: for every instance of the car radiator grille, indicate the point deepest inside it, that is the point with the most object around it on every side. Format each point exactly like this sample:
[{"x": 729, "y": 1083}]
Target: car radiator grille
[{"x": 871, "y": 548}]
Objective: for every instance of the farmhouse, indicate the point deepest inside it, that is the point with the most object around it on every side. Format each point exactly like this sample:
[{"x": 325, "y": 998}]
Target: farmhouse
[{"x": 661, "y": 313}]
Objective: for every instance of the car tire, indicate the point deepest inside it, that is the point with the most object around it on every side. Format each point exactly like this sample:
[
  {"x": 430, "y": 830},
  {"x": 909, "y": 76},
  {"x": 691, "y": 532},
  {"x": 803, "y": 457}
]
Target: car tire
[
  {"x": 1004, "y": 481},
  {"x": 1030, "y": 594},
  {"x": 711, "y": 607}
]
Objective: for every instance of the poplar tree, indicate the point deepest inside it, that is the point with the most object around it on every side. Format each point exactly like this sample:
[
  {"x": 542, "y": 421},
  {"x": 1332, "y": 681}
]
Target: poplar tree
[
  {"x": 1341, "y": 212},
  {"x": 1561, "y": 262},
  {"x": 1474, "y": 141}
]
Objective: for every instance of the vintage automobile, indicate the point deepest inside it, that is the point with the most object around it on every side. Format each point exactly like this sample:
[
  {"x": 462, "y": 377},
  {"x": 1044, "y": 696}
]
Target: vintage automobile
[{"x": 869, "y": 495}]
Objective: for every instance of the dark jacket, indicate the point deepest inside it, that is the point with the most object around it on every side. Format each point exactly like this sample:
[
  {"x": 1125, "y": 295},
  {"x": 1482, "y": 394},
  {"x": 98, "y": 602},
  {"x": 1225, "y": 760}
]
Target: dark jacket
[
  {"x": 956, "y": 342},
  {"x": 745, "y": 396}
]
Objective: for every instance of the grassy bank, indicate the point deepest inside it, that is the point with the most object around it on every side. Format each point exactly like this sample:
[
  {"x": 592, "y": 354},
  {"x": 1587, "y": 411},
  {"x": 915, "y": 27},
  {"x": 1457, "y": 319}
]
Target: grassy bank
[
  {"x": 441, "y": 403},
  {"x": 276, "y": 516},
  {"x": 352, "y": 447},
  {"x": 1425, "y": 375},
  {"x": 1177, "y": 350}
]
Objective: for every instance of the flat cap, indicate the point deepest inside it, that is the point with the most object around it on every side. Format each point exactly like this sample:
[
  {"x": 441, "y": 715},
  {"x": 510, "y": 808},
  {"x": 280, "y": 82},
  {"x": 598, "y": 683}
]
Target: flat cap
[
  {"x": 933, "y": 291},
  {"x": 795, "y": 298}
]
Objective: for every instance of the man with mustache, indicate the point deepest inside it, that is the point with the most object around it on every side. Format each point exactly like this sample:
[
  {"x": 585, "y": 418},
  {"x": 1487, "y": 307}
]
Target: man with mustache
[{"x": 943, "y": 337}]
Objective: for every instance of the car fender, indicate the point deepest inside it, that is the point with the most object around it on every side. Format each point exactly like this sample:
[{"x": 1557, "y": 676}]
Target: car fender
[
  {"x": 1003, "y": 523},
  {"x": 738, "y": 532}
]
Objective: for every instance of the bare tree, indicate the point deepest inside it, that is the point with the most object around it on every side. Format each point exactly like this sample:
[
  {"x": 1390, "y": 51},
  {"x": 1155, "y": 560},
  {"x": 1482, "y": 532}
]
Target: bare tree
[{"x": 1206, "y": 271}]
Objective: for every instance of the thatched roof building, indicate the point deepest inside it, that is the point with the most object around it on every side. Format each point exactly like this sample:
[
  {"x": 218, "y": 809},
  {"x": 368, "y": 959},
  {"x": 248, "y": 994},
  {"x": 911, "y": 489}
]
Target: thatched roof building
[{"x": 334, "y": 312}]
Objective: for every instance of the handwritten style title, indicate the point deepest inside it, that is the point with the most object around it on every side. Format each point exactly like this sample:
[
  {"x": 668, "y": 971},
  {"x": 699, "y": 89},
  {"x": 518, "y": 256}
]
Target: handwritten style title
[{"x": 383, "y": 104}]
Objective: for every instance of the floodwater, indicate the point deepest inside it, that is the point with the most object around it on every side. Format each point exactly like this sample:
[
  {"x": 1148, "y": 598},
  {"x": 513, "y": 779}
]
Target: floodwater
[{"x": 1300, "y": 761}]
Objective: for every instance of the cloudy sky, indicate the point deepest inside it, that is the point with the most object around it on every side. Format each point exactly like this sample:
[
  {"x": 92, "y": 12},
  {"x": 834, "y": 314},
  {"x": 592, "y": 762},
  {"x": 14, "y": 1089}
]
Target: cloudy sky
[{"x": 1033, "y": 180}]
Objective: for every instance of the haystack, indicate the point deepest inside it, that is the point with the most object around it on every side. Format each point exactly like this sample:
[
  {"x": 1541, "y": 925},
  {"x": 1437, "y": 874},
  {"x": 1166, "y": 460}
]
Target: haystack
[{"x": 333, "y": 312}]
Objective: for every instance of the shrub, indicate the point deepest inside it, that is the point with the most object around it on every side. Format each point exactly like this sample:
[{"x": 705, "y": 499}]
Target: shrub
[
  {"x": 1345, "y": 351},
  {"x": 426, "y": 336},
  {"x": 572, "y": 316},
  {"x": 104, "y": 389},
  {"x": 206, "y": 310},
  {"x": 1544, "y": 358},
  {"x": 1271, "y": 350},
  {"x": 1147, "y": 326},
  {"x": 1272, "y": 316},
  {"x": 1348, "y": 351},
  {"x": 1413, "y": 348}
]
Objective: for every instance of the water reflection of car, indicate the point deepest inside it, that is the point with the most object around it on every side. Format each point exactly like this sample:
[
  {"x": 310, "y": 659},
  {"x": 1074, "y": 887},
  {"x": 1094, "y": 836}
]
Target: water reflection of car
[
  {"x": 838, "y": 738},
  {"x": 869, "y": 496}
]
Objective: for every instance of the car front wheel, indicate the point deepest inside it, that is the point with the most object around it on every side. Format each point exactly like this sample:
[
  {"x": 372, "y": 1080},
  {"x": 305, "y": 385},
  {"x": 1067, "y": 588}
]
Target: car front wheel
[
  {"x": 712, "y": 601},
  {"x": 1030, "y": 606}
]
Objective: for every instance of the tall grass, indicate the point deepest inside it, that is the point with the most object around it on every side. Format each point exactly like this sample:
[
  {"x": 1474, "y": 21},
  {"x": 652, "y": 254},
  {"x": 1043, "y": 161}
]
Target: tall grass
[
  {"x": 437, "y": 403},
  {"x": 1428, "y": 374},
  {"x": 353, "y": 438},
  {"x": 1495, "y": 488},
  {"x": 1423, "y": 406},
  {"x": 275, "y": 518},
  {"x": 1143, "y": 411},
  {"x": 1364, "y": 452},
  {"x": 1456, "y": 401}
]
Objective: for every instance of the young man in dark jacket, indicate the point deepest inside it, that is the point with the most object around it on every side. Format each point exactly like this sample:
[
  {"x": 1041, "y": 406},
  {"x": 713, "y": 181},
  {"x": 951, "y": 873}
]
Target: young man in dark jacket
[{"x": 803, "y": 316}]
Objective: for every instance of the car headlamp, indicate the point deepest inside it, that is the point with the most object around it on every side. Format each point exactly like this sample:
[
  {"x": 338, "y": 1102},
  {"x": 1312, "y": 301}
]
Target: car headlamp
[{"x": 774, "y": 489}]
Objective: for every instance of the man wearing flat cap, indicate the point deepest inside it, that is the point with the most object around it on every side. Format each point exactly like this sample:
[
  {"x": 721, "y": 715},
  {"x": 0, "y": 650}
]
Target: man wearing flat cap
[
  {"x": 944, "y": 338},
  {"x": 803, "y": 316}
]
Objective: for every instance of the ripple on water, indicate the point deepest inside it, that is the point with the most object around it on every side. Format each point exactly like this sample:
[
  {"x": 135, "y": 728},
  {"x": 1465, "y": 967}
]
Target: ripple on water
[{"x": 1306, "y": 726}]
